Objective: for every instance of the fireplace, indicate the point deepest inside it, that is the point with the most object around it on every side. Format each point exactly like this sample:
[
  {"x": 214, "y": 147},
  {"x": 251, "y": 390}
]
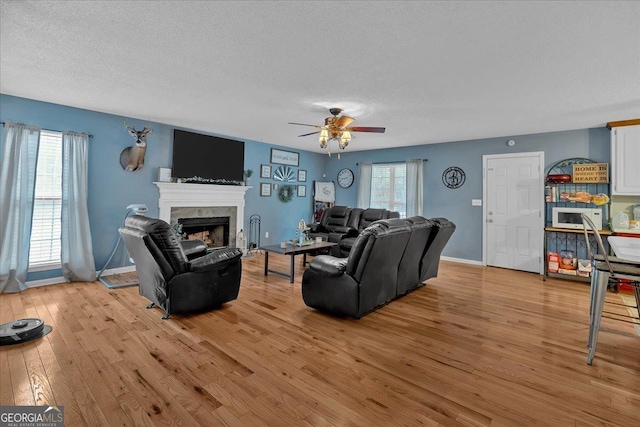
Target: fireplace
[
  {"x": 180, "y": 201},
  {"x": 213, "y": 231}
]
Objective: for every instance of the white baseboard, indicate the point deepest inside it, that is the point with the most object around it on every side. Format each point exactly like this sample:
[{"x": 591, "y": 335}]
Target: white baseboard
[
  {"x": 127, "y": 269},
  {"x": 58, "y": 280},
  {"x": 45, "y": 282},
  {"x": 461, "y": 260}
]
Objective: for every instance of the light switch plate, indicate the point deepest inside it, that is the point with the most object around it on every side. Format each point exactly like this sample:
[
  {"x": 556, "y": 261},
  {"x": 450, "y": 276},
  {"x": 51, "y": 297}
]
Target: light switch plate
[{"x": 476, "y": 202}]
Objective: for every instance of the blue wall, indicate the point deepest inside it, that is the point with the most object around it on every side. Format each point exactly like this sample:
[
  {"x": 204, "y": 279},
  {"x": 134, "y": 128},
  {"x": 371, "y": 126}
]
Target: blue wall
[
  {"x": 455, "y": 204},
  {"x": 111, "y": 189}
]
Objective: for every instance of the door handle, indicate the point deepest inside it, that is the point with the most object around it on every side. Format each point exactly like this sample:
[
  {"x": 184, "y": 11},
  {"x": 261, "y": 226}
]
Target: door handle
[
  {"x": 490, "y": 212},
  {"x": 489, "y": 220}
]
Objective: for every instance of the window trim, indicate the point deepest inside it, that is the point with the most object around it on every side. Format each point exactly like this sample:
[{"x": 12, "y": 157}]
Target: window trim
[{"x": 44, "y": 267}]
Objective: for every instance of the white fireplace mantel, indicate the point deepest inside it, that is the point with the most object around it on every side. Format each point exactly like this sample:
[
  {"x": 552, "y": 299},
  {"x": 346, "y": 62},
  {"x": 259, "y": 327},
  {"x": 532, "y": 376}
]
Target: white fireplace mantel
[{"x": 200, "y": 195}]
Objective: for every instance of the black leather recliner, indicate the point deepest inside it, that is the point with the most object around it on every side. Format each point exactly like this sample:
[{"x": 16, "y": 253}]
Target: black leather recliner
[
  {"x": 332, "y": 218},
  {"x": 174, "y": 281},
  {"x": 389, "y": 258}
]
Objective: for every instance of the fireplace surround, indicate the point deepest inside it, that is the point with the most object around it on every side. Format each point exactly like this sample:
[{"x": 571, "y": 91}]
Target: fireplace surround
[{"x": 180, "y": 201}]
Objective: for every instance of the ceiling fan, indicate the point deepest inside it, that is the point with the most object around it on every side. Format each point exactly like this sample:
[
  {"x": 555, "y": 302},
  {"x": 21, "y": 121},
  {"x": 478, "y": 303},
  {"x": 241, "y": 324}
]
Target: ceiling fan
[{"x": 338, "y": 129}]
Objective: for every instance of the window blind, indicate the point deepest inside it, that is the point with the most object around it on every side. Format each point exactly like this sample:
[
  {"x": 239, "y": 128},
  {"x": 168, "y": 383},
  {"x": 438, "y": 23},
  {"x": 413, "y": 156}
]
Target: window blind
[
  {"x": 389, "y": 187},
  {"x": 45, "y": 231}
]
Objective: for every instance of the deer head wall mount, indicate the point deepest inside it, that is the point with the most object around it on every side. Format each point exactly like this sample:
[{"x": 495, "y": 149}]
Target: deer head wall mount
[{"x": 132, "y": 158}]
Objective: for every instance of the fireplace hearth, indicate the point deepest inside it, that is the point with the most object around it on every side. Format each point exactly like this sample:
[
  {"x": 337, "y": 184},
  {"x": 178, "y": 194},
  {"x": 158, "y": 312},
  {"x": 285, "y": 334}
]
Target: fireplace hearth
[{"x": 213, "y": 231}]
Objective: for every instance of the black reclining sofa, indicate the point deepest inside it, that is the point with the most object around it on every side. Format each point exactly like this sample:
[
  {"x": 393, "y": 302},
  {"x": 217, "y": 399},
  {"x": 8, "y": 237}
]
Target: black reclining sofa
[
  {"x": 388, "y": 259},
  {"x": 342, "y": 224},
  {"x": 358, "y": 221},
  {"x": 180, "y": 277}
]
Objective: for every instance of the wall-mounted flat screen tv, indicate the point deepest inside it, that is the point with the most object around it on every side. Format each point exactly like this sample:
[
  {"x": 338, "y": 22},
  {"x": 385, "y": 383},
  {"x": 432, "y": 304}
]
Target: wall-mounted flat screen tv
[{"x": 208, "y": 157}]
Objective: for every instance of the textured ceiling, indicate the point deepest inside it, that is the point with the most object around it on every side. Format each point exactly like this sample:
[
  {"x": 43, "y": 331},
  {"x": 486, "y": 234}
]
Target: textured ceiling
[{"x": 428, "y": 71}]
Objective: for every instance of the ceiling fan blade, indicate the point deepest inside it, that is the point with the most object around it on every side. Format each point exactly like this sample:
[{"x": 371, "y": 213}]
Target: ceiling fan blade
[
  {"x": 307, "y": 134},
  {"x": 366, "y": 129},
  {"x": 343, "y": 121},
  {"x": 304, "y": 124}
]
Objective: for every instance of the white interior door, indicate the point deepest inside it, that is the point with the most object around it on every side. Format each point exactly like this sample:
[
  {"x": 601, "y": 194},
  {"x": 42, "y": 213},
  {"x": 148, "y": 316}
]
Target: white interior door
[{"x": 513, "y": 213}]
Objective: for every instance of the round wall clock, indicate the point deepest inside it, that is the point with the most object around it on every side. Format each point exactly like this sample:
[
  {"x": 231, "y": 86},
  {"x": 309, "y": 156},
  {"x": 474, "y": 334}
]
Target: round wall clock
[
  {"x": 453, "y": 177},
  {"x": 345, "y": 178}
]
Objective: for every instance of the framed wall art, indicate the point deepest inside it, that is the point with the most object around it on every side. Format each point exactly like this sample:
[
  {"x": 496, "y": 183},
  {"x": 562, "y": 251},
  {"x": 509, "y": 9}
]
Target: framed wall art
[
  {"x": 302, "y": 191},
  {"x": 283, "y": 157},
  {"x": 265, "y": 171},
  {"x": 285, "y": 174},
  {"x": 164, "y": 174},
  {"x": 302, "y": 175},
  {"x": 265, "y": 189}
]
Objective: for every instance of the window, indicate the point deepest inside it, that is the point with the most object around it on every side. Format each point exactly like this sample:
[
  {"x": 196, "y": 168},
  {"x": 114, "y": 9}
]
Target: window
[
  {"x": 389, "y": 187},
  {"x": 45, "y": 232}
]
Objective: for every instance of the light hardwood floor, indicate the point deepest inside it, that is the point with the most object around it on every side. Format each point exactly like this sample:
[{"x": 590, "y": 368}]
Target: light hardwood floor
[{"x": 476, "y": 346}]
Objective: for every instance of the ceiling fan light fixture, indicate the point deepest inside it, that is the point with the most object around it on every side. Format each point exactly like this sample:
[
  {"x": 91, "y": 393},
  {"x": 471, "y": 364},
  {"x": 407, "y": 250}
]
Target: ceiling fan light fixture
[
  {"x": 337, "y": 128},
  {"x": 345, "y": 138},
  {"x": 324, "y": 138}
]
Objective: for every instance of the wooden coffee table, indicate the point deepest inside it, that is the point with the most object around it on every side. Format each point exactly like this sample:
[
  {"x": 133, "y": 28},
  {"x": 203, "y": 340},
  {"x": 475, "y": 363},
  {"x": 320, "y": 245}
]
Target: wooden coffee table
[{"x": 293, "y": 251}]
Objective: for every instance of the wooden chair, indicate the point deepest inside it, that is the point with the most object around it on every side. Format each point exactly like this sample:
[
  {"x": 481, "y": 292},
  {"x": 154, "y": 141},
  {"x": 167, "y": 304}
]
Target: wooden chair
[{"x": 607, "y": 271}]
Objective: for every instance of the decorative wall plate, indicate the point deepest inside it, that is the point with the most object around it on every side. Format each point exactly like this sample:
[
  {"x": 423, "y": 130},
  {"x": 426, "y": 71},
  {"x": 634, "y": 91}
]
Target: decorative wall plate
[
  {"x": 285, "y": 174},
  {"x": 453, "y": 177}
]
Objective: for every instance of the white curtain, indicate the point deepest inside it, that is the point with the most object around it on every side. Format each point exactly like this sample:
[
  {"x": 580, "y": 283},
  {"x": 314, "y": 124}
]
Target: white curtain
[
  {"x": 76, "y": 251},
  {"x": 415, "y": 189},
  {"x": 17, "y": 187},
  {"x": 364, "y": 185}
]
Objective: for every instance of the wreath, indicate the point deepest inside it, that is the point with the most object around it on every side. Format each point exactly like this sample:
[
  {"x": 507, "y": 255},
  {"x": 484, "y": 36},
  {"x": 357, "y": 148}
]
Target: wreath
[{"x": 285, "y": 194}]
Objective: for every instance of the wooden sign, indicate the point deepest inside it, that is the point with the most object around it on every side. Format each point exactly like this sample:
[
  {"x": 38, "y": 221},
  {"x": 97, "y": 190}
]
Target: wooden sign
[{"x": 590, "y": 173}]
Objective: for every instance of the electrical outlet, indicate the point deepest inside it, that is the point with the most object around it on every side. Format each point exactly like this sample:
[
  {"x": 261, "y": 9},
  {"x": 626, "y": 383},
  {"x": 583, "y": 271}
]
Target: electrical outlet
[
  {"x": 476, "y": 202},
  {"x": 266, "y": 234}
]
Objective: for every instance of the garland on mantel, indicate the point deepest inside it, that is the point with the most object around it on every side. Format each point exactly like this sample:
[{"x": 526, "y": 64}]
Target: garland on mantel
[
  {"x": 285, "y": 194},
  {"x": 200, "y": 180}
]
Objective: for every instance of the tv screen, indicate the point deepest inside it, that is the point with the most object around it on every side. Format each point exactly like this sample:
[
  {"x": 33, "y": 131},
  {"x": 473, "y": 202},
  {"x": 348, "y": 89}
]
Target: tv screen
[{"x": 207, "y": 157}]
